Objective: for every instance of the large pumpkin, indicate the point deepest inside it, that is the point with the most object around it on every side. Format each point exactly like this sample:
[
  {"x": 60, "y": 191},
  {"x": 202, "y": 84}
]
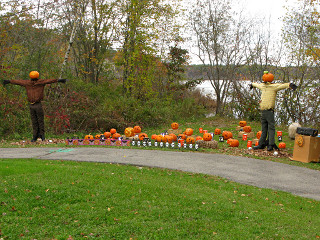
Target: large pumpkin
[
  {"x": 159, "y": 138},
  {"x": 154, "y": 136},
  {"x": 242, "y": 123},
  {"x": 282, "y": 145},
  {"x": 169, "y": 138},
  {"x": 88, "y": 137},
  {"x": 217, "y": 131},
  {"x": 190, "y": 140},
  {"x": 259, "y": 134},
  {"x": 107, "y": 134},
  {"x": 189, "y": 131},
  {"x": 226, "y": 135},
  {"x": 129, "y": 132},
  {"x": 174, "y": 125},
  {"x": 113, "y": 131},
  {"x": 247, "y": 129},
  {"x": 142, "y": 136},
  {"x": 98, "y": 136},
  {"x": 137, "y": 129},
  {"x": 182, "y": 136},
  {"x": 207, "y": 137},
  {"x": 267, "y": 77},
  {"x": 34, "y": 74}
]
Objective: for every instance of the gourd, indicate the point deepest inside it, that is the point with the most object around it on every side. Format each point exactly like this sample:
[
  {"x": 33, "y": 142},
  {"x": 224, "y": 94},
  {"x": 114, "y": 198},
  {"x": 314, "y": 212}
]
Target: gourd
[
  {"x": 129, "y": 132},
  {"x": 88, "y": 137},
  {"x": 282, "y": 145},
  {"x": 247, "y": 129},
  {"x": 190, "y": 140},
  {"x": 242, "y": 123},
  {"x": 137, "y": 129},
  {"x": 189, "y": 131},
  {"x": 174, "y": 137},
  {"x": 142, "y": 136},
  {"x": 116, "y": 135},
  {"x": 217, "y": 131},
  {"x": 107, "y": 134},
  {"x": 234, "y": 143},
  {"x": 226, "y": 135},
  {"x": 267, "y": 77},
  {"x": 169, "y": 138},
  {"x": 174, "y": 125},
  {"x": 113, "y": 131},
  {"x": 207, "y": 137}
]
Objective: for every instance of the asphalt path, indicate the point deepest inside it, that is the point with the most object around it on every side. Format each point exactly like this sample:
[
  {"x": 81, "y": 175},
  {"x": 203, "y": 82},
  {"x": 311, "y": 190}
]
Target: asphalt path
[{"x": 260, "y": 173}]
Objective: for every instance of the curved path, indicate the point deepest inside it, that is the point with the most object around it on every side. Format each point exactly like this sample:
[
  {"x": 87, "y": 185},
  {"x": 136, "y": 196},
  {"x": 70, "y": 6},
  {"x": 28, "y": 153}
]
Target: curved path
[{"x": 264, "y": 174}]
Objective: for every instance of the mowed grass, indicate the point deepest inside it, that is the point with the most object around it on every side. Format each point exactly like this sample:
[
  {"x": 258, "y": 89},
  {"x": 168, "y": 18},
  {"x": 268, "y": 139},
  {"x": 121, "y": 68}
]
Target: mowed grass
[{"x": 77, "y": 200}]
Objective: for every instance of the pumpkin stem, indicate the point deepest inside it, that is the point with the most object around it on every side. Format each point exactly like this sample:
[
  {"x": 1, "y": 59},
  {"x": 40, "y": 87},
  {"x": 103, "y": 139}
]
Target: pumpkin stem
[{"x": 266, "y": 72}]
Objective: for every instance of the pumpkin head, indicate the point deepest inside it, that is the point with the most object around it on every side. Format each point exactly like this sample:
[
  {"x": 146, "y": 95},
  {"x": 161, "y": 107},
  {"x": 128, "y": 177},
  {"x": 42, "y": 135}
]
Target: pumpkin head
[
  {"x": 174, "y": 137},
  {"x": 207, "y": 136},
  {"x": 142, "y": 136},
  {"x": 217, "y": 131},
  {"x": 116, "y": 135},
  {"x": 107, "y": 134},
  {"x": 226, "y": 135},
  {"x": 199, "y": 138},
  {"x": 267, "y": 77},
  {"x": 113, "y": 131},
  {"x": 174, "y": 125},
  {"x": 189, "y": 131},
  {"x": 129, "y": 132},
  {"x": 282, "y": 145},
  {"x": 234, "y": 143},
  {"x": 259, "y": 134},
  {"x": 34, "y": 74},
  {"x": 247, "y": 129},
  {"x": 242, "y": 123},
  {"x": 169, "y": 138},
  {"x": 88, "y": 137},
  {"x": 137, "y": 129}
]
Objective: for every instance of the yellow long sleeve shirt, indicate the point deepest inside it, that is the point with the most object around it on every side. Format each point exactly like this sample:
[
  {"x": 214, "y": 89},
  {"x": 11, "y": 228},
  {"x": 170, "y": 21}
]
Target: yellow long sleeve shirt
[{"x": 268, "y": 93}]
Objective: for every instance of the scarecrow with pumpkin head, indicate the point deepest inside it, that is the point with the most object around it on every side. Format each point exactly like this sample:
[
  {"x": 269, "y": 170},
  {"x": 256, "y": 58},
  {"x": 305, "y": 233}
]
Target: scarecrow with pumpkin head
[
  {"x": 267, "y": 104},
  {"x": 35, "y": 94}
]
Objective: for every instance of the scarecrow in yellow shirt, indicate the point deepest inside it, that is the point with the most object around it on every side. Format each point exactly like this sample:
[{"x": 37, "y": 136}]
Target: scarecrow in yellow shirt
[{"x": 267, "y": 104}]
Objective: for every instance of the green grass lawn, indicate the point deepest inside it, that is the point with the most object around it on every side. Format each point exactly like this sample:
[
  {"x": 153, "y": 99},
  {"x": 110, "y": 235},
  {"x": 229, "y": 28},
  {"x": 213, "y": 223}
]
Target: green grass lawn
[{"x": 77, "y": 200}]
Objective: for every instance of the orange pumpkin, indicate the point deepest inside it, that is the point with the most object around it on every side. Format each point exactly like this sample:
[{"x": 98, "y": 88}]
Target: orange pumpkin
[
  {"x": 174, "y": 125},
  {"x": 226, "y": 135},
  {"x": 174, "y": 137},
  {"x": 88, "y": 137},
  {"x": 217, "y": 131},
  {"x": 137, "y": 129},
  {"x": 229, "y": 140},
  {"x": 34, "y": 74},
  {"x": 159, "y": 138},
  {"x": 234, "y": 143},
  {"x": 98, "y": 136},
  {"x": 242, "y": 123},
  {"x": 129, "y": 132},
  {"x": 247, "y": 129},
  {"x": 189, "y": 131},
  {"x": 107, "y": 134},
  {"x": 116, "y": 135},
  {"x": 113, "y": 131},
  {"x": 190, "y": 140},
  {"x": 169, "y": 138},
  {"x": 154, "y": 136},
  {"x": 142, "y": 136},
  {"x": 282, "y": 145},
  {"x": 259, "y": 134},
  {"x": 207, "y": 137},
  {"x": 267, "y": 77},
  {"x": 199, "y": 138},
  {"x": 182, "y": 136}
]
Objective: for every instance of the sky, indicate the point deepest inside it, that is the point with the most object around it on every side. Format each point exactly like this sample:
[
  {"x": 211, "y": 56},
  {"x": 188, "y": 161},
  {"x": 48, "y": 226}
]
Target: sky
[{"x": 272, "y": 10}]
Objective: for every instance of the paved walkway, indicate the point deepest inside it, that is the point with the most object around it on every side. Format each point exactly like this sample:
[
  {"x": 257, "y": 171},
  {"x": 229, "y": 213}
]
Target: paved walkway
[{"x": 264, "y": 174}]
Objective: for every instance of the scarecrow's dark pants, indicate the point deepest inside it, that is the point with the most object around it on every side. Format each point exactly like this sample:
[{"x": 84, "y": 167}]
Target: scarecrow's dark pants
[
  {"x": 268, "y": 127},
  {"x": 37, "y": 118}
]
